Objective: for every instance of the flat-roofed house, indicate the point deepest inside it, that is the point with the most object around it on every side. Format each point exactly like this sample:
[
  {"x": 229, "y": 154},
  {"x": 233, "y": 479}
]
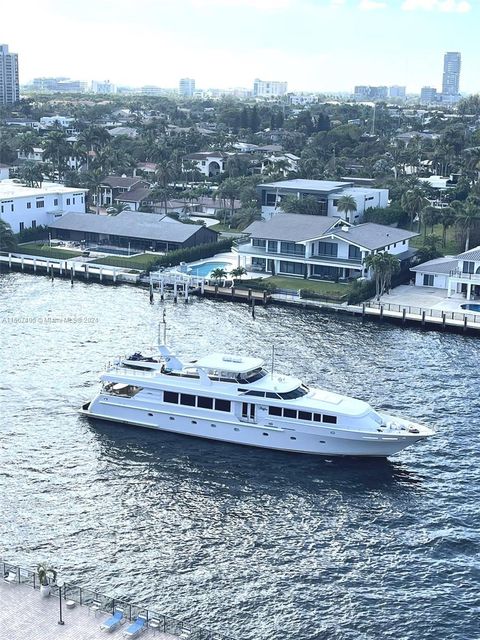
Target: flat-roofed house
[
  {"x": 455, "y": 274},
  {"x": 327, "y": 194}
]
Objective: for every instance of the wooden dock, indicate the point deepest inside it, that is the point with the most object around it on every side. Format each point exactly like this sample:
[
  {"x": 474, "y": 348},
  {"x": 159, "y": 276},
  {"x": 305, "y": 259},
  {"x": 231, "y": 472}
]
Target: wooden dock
[{"x": 235, "y": 293}]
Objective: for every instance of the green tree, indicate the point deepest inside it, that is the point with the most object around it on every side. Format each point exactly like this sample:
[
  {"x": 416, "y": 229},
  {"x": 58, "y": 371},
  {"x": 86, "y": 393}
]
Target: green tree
[
  {"x": 468, "y": 216},
  {"x": 57, "y": 150},
  {"x": 8, "y": 241},
  {"x": 32, "y": 174},
  {"x": 347, "y": 205},
  {"x": 413, "y": 201},
  {"x": 383, "y": 265},
  {"x": 219, "y": 275},
  {"x": 238, "y": 272}
]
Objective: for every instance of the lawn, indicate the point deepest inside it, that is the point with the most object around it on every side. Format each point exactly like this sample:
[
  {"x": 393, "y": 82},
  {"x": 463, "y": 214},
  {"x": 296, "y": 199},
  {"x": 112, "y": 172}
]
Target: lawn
[
  {"x": 334, "y": 289},
  {"x": 453, "y": 245},
  {"x": 45, "y": 251},
  {"x": 142, "y": 262}
]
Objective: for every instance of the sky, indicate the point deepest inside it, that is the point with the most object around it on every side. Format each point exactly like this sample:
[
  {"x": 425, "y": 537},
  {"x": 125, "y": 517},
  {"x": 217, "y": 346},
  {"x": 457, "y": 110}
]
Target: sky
[{"x": 315, "y": 45}]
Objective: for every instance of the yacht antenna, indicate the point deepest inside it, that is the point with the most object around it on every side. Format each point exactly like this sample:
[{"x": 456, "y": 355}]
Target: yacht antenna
[{"x": 273, "y": 357}]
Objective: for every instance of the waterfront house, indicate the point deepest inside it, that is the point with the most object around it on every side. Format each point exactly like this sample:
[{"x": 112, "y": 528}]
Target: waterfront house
[
  {"x": 327, "y": 194},
  {"x": 114, "y": 186},
  {"x": 209, "y": 163},
  {"x": 318, "y": 247},
  {"x": 140, "y": 231},
  {"x": 24, "y": 207},
  {"x": 455, "y": 274}
]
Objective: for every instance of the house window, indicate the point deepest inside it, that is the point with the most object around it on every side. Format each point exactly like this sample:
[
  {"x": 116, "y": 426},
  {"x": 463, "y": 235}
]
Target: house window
[
  {"x": 40, "y": 204},
  {"x": 291, "y": 247},
  {"x": 272, "y": 246},
  {"x": 295, "y": 268},
  {"x": 354, "y": 253},
  {"x": 203, "y": 163},
  {"x": 259, "y": 242},
  {"x": 34, "y": 224},
  {"x": 468, "y": 267},
  {"x": 68, "y": 200},
  {"x": 22, "y": 226},
  {"x": 271, "y": 199},
  {"x": 73, "y": 200},
  {"x": 427, "y": 280},
  {"x": 29, "y": 205},
  {"x": 328, "y": 249},
  {"x": 55, "y": 202}
]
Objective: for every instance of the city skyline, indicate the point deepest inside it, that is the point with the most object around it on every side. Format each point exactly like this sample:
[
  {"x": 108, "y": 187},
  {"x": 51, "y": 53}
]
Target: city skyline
[{"x": 157, "y": 42}]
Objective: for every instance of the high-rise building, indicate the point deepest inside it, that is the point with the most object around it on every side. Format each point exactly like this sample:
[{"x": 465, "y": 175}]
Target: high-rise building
[
  {"x": 451, "y": 73},
  {"x": 186, "y": 87},
  {"x": 268, "y": 88},
  {"x": 362, "y": 92},
  {"x": 9, "y": 86},
  {"x": 102, "y": 87},
  {"x": 428, "y": 95},
  {"x": 397, "y": 92}
]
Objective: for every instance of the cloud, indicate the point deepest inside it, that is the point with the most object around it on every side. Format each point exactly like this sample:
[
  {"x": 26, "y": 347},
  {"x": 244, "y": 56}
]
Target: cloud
[
  {"x": 444, "y": 6},
  {"x": 371, "y": 5}
]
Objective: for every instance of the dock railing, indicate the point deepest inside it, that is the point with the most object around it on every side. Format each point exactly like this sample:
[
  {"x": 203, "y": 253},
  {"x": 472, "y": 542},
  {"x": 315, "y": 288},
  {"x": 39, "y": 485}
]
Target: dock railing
[
  {"x": 472, "y": 318},
  {"x": 100, "y": 602}
]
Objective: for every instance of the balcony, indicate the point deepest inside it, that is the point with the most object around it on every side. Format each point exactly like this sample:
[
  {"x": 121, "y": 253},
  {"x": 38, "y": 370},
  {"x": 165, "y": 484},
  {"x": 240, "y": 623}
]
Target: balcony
[
  {"x": 473, "y": 278},
  {"x": 261, "y": 252}
]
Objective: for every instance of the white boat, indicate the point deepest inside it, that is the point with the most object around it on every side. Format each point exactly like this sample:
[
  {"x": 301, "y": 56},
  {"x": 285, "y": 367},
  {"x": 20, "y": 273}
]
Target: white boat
[{"x": 235, "y": 399}]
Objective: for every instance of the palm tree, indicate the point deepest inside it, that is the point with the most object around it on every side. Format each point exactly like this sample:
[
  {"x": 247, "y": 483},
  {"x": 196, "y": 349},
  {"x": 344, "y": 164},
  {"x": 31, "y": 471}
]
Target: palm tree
[
  {"x": 413, "y": 201},
  {"x": 447, "y": 218},
  {"x": 94, "y": 139},
  {"x": 8, "y": 241},
  {"x": 57, "y": 150},
  {"x": 467, "y": 217},
  {"x": 383, "y": 265},
  {"x": 229, "y": 190},
  {"x": 27, "y": 142},
  {"x": 219, "y": 275},
  {"x": 429, "y": 216},
  {"x": 117, "y": 208},
  {"x": 32, "y": 174},
  {"x": 93, "y": 179},
  {"x": 347, "y": 205},
  {"x": 238, "y": 272}
]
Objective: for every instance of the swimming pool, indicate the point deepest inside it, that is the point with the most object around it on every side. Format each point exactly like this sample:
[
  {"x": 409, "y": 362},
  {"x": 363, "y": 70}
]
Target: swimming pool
[
  {"x": 207, "y": 267},
  {"x": 471, "y": 307}
]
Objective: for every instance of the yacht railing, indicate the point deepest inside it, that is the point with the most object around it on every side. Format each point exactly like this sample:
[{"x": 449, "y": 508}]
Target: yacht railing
[{"x": 98, "y": 601}]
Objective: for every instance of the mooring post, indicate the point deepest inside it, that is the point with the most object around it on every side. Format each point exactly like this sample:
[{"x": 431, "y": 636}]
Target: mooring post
[
  {"x": 51, "y": 272},
  {"x": 9, "y": 260},
  {"x": 101, "y": 274},
  {"x": 34, "y": 265},
  {"x": 404, "y": 315},
  {"x": 22, "y": 260},
  {"x": 175, "y": 291},
  {"x": 216, "y": 290},
  {"x": 232, "y": 291},
  {"x": 71, "y": 275},
  {"x": 151, "y": 292},
  {"x": 444, "y": 319},
  {"x": 264, "y": 296},
  {"x": 202, "y": 287},
  {"x": 114, "y": 275},
  {"x": 464, "y": 323},
  {"x": 381, "y": 312},
  {"x": 253, "y": 308},
  {"x": 87, "y": 274},
  {"x": 423, "y": 318}
]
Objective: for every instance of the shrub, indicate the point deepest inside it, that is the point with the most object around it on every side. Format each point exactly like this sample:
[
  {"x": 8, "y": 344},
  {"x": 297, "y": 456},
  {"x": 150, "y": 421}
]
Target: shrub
[{"x": 193, "y": 253}]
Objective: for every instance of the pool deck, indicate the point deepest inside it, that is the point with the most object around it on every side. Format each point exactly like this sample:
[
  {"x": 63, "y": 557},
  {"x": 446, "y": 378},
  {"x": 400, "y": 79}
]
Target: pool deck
[{"x": 25, "y": 615}]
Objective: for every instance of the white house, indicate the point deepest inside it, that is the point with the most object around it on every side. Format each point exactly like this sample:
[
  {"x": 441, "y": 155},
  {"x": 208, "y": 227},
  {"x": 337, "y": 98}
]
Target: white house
[
  {"x": 326, "y": 193},
  {"x": 24, "y": 207},
  {"x": 36, "y": 155},
  {"x": 455, "y": 274},
  {"x": 318, "y": 247},
  {"x": 287, "y": 161},
  {"x": 209, "y": 163}
]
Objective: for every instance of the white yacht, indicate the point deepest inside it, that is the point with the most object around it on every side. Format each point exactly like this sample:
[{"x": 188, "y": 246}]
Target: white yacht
[{"x": 235, "y": 399}]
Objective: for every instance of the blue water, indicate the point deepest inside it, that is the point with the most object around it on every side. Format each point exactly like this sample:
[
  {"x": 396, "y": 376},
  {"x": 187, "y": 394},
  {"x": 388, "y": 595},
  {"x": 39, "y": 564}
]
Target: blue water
[
  {"x": 206, "y": 268},
  {"x": 471, "y": 307},
  {"x": 256, "y": 544}
]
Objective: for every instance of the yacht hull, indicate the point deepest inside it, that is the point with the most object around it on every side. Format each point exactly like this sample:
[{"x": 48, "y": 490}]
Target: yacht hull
[{"x": 315, "y": 441}]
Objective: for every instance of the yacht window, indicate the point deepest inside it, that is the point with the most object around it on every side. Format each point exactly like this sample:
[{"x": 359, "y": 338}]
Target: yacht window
[
  {"x": 251, "y": 376},
  {"x": 317, "y": 417},
  {"x": 295, "y": 393},
  {"x": 330, "y": 419},
  {"x": 304, "y": 415},
  {"x": 275, "y": 411},
  {"x": 204, "y": 403},
  {"x": 124, "y": 390},
  {"x": 187, "y": 399},
  {"x": 272, "y": 395},
  {"x": 260, "y": 394},
  {"x": 289, "y": 413},
  {"x": 169, "y": 396},
  {"x": 222, "y": 405}
]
